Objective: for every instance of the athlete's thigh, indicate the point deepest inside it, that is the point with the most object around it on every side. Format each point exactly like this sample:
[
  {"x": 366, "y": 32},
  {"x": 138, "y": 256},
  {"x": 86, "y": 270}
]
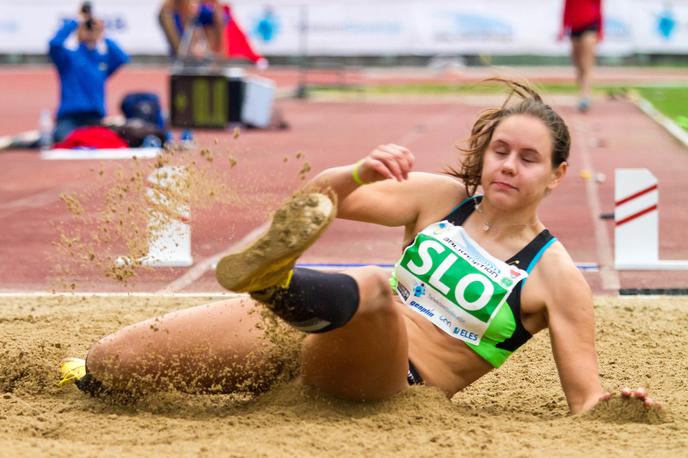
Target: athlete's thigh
[
  {"x": 218, "y": 346},
  {"x": 368, "y": 358}
]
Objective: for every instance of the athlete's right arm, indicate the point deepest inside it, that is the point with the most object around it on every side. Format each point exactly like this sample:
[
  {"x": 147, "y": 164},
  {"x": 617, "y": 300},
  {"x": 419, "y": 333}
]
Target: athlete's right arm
[
  {"x": 391, "y": 195},
  {"x": 57, "y": 50}
]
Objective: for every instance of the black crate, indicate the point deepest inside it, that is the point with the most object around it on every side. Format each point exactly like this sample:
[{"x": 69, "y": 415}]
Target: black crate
[{"x": 200, "y": 100}]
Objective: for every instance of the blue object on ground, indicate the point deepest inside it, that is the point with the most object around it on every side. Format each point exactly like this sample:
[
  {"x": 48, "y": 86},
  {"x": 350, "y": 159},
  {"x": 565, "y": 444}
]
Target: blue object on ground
[{"x": 151, "y": 141}]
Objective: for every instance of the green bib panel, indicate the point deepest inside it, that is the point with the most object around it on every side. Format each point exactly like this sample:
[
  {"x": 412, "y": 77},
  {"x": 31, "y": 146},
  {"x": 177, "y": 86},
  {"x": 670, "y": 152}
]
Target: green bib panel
[{"x": 449, "y": 279}]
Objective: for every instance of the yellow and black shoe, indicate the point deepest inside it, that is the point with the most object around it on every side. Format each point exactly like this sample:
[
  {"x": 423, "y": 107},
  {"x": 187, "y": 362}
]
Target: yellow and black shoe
[
  {"x": 71, "y": 370},
  {"x": 269, "y": 260}
]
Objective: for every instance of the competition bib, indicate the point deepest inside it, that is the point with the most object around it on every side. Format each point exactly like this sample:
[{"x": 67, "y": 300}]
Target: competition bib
[{"x": 453, "y": 282}]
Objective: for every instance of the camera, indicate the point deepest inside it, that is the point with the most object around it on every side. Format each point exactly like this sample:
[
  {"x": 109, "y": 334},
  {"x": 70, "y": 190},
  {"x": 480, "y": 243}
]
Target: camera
[{"x": 87, "y": 10}]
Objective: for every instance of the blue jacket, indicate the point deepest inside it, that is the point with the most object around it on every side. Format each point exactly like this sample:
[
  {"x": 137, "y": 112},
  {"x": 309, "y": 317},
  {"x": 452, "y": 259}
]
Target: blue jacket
[{"x": 83, "y": 72}]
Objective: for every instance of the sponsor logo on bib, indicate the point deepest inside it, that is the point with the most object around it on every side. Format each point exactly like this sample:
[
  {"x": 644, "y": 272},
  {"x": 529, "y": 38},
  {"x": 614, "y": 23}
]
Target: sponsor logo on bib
[
  {"x": 403, "y": 291},
  {"x": 421, "y": 309},
  {"x": 419, "y": 290},
  {"x": 457, "y": 284}
]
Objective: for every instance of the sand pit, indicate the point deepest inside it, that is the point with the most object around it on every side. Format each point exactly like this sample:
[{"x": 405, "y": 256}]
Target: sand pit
[{"x": 518, "y": 410}]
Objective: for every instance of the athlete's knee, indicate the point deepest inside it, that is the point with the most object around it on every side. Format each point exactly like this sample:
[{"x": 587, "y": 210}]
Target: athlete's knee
[
  {"x": 110, "y": 360},
  {"x": 375, "y": 293}
]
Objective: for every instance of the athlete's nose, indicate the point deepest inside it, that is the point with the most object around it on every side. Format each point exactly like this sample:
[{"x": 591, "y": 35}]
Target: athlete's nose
[{"x": 509, "y": 164}]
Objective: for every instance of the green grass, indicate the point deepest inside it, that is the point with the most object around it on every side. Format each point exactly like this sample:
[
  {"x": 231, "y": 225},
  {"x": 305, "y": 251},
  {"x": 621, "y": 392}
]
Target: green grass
[
  {"x": 671, "y": 101},
  {"x": 435, "y": 89},
  {"x": 430, "y": 88}
]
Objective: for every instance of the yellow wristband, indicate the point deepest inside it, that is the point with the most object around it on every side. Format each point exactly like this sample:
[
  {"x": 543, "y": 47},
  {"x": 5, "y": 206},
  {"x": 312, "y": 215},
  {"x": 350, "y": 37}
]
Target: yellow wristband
[{"x": 354, "y": 174}]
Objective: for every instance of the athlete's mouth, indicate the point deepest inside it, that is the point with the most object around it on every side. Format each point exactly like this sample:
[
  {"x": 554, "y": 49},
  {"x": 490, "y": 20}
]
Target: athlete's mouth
[{"x": 503, "y": 185}]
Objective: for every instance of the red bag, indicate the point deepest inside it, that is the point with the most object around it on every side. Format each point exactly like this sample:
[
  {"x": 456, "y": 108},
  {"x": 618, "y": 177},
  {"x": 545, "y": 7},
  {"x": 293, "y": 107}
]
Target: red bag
[{"x": 92, "y": 137}]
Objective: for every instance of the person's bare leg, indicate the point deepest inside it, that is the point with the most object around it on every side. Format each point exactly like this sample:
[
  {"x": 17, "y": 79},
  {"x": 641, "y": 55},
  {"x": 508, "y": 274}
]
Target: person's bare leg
[
  {"x": 587, "y": 62},
  {"x": 576, "y": 47},
  {"x": 367, "y": 359},
  {"x": 583, "y": 56},
  {"x": 357, "y": 347},
  {"x": 221, "y": 347}
]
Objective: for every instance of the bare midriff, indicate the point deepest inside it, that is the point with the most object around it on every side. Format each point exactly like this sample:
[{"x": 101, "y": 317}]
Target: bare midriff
[{"x": 443, "y": 361}]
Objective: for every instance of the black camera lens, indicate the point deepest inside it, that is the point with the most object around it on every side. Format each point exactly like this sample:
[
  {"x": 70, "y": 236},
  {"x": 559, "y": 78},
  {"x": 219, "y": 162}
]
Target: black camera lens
[{"x": 89, "y": 24}]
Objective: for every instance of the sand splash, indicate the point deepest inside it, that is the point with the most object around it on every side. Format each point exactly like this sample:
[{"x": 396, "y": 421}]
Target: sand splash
[{"x": 137, "y": 201}]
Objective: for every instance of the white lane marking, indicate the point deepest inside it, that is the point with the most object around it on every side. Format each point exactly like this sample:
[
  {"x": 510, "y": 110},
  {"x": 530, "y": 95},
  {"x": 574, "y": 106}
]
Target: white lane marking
[
  {"x": 666, "y": 122},
  {"x": 610, "y": 277},
  {"x": 39, "y": 199},
  {"x": 32, "y": 294}
]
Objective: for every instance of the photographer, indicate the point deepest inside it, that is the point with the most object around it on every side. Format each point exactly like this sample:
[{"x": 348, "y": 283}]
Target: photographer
[{"x": 83, "y": 72}]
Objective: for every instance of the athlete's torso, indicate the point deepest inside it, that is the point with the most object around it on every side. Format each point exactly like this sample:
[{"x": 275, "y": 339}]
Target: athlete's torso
[{"x": 493, "y": 328}]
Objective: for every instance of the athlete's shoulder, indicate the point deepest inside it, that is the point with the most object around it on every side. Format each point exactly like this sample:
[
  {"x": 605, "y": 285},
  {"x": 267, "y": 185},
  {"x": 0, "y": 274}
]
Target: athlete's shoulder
[
  {"x": 435, "y": 178},
  {"x": 556, "y": 260},
  {"x": 560, "y": 273},
  {"x": 435, "y": 183},
  {"x": 436, "y": 194}
]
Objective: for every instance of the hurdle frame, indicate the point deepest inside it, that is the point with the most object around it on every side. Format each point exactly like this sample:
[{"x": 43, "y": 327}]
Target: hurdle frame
[{"x": 636, "y": 222}]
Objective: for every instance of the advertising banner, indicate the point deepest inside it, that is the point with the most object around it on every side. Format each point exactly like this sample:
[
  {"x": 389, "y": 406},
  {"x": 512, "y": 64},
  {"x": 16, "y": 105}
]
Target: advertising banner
[{"x": 356, "y": 27}]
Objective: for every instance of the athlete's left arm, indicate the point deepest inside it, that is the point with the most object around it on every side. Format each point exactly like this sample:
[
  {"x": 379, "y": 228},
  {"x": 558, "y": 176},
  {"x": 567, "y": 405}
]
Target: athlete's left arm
[
  {"x": 116, "y": 57},
  {"x": 571, "y": 322}
]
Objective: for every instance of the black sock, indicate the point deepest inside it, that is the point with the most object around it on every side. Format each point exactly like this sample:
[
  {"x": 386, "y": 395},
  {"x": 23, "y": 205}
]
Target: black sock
[
  {"x": 91, "y": 385},
  {"x": 314, "y": 301},
  {"x": 94, "y": 387}
]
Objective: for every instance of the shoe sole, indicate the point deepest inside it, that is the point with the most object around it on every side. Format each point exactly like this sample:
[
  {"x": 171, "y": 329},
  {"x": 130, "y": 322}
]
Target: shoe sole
[{"x": 294, "y": 227}]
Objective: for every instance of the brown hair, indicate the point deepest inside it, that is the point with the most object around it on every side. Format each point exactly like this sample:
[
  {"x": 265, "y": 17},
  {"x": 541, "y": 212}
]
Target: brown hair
[{"x": 530, "y": 103}]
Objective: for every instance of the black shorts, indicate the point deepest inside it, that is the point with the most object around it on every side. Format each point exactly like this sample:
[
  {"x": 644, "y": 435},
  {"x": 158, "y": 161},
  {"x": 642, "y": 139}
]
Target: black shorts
[
  {"x": 413, "y": 377},
  {"x": 592, "y": 27}
]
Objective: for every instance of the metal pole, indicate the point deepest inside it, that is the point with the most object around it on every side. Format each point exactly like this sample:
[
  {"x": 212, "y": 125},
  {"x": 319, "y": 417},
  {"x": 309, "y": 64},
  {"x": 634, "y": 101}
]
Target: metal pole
[{"x": 302, "y": 90}]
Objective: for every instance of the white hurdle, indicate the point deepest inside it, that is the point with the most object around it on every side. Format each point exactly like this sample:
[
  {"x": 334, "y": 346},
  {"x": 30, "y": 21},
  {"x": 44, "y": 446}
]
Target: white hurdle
[
  {"x": 636, "y": 221},
  {"x": 170, "y": 244},
  {"x": 170, "y": 231}
]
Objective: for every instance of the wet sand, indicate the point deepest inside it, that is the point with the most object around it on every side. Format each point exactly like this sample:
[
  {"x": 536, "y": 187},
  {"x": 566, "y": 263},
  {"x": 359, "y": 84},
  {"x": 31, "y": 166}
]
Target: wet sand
[{"x": 518, "y": 410}]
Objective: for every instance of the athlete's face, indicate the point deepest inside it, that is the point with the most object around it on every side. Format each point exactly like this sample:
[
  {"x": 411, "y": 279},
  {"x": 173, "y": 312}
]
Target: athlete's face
[{"x": 517, "y": 165}]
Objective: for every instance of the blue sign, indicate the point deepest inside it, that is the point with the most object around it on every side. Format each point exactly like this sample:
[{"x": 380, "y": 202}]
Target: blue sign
[
  {"x": 666, "y": 23},
  {"x": 267, "y": 27}
]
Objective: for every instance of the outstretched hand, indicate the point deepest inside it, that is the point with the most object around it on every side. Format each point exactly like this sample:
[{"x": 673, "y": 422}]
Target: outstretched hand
[
  {"x": 629, "y": 406},
  {"x": 639, "y": 394},
  {"x": 386, "y": 162}
]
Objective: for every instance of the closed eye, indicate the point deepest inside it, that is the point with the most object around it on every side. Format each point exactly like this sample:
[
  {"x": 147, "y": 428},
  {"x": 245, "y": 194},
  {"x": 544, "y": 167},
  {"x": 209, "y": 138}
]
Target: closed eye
[{"x": 530, "y": 156}]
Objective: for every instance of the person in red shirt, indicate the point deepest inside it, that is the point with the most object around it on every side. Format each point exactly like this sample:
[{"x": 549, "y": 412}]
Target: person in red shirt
[{"x": 583, "y": 23}]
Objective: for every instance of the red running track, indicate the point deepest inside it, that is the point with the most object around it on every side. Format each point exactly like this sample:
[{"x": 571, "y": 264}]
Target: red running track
[{"x": 614, "y": 134}]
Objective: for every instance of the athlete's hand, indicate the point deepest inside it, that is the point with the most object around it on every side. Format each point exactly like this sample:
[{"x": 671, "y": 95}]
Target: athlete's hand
[
  {"x": 637, "y": 395},
  {"x": 386, "y": 162}
]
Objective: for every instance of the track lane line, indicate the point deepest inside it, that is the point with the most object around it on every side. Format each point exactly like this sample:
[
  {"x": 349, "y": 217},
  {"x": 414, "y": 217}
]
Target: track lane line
[
  {"x": 35, "y": 200},
  {"x": 609, "y": 275}
]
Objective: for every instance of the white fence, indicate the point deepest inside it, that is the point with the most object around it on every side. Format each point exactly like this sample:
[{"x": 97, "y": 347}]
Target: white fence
[{"x": 383, "y": 27}]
